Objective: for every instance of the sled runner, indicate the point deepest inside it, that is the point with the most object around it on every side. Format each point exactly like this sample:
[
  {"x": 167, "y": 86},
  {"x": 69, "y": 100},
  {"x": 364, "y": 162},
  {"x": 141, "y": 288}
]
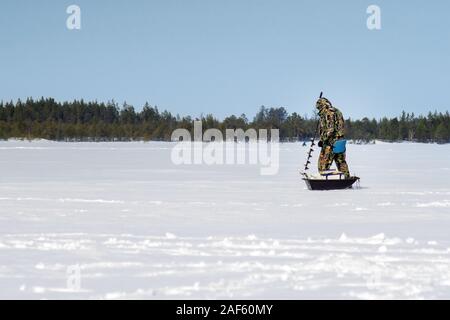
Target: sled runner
[{"x": 329, "y": 180}]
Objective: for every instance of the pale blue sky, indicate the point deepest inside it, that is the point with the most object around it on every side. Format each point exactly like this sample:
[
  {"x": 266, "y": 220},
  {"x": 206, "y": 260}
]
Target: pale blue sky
[{"x": 230, "y": 56}]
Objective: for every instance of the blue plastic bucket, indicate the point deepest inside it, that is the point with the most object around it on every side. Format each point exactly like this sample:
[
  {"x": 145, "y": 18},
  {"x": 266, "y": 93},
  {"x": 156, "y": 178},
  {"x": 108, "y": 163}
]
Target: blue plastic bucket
[{"x": 339, "y": 146}]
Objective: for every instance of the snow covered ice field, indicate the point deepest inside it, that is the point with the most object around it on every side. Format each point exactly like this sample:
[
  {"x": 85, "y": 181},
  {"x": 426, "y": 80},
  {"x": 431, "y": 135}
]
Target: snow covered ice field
[{"x": 139, "y": 226}]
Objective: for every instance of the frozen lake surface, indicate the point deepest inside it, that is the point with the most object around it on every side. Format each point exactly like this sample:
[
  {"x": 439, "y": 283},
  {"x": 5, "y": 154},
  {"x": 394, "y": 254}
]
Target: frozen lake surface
[{"x": 134, "y": 225}]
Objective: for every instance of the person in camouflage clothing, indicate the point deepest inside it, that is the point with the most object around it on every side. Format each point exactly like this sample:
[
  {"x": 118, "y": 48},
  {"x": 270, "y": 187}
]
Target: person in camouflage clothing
[{"x": 331, "y": 129}]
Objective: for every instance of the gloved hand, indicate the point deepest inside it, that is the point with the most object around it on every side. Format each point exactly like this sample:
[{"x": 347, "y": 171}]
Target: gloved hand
[{"x": 320, "y": 144}]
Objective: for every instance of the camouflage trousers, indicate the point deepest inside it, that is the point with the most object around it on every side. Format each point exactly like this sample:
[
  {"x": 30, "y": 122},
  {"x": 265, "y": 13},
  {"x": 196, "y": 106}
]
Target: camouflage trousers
[{"x": 327, "y": 157}]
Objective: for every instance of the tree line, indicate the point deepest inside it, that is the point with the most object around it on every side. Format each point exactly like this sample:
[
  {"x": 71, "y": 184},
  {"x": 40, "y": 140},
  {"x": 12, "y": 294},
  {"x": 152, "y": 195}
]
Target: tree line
[{"x": 79, "y": 120}]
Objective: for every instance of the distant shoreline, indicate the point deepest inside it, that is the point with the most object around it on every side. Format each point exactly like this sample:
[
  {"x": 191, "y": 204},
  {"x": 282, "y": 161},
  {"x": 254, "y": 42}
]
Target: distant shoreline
[
  {"x": 81, "y": 120},
  {"x": 372, "y": 142}
]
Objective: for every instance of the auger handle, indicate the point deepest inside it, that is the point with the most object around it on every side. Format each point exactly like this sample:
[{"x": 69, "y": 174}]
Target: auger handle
[{"x": 312, "y": 142}]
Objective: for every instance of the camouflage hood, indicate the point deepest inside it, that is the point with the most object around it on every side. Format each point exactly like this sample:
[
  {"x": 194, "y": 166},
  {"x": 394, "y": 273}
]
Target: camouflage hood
[{"x": 323, "y": 103}]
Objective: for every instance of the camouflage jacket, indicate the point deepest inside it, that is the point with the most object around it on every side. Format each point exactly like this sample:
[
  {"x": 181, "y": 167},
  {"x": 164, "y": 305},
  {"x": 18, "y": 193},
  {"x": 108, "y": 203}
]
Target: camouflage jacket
[{"x": 331, "y": 127}]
